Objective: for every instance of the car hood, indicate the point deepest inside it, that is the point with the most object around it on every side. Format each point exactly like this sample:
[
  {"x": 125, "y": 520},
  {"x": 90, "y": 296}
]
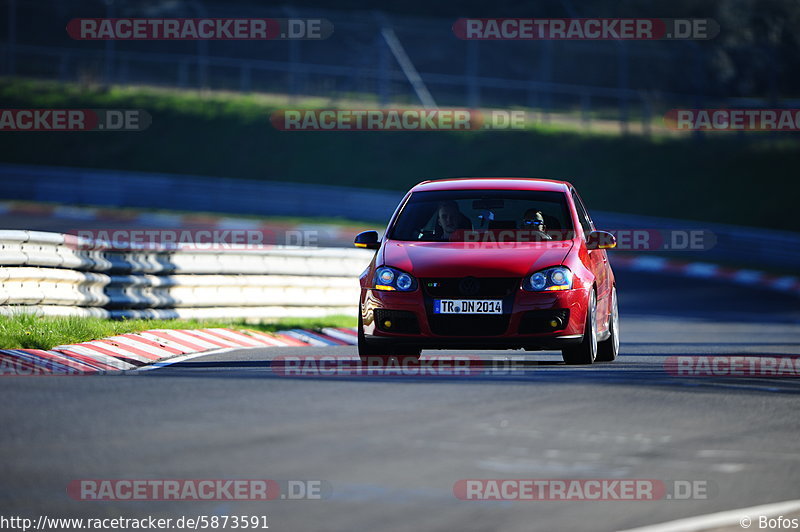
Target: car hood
[{"x": 459, "y": 259}]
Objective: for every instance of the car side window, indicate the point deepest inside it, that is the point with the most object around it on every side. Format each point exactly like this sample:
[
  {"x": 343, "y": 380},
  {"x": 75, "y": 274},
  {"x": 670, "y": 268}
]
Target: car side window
[{"x": 583, "y": 215}]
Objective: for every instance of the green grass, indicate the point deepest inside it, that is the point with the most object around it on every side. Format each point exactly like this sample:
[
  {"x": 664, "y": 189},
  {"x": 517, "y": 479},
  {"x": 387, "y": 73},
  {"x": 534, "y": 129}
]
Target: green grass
[
  {"x": 720, "y": 178},
  {"x": 28, "y": 331}
]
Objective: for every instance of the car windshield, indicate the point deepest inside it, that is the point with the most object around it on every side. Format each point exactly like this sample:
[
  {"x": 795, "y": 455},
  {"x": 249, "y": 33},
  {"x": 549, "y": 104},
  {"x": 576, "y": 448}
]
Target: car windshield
[{"x": 483, "y": 215}]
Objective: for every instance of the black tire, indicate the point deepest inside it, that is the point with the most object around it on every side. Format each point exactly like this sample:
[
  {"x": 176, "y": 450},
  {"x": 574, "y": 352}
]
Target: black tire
[
  {"x": 365, "y": 350},
  {"x": 608, "y": 349},
  {"x": 382, "y": 354},
  {"x": 586, "y": 351}
]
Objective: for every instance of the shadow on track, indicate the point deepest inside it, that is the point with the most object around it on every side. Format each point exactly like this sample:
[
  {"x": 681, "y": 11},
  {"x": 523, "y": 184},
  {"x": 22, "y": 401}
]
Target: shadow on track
[{"x": 661, "y": 373}]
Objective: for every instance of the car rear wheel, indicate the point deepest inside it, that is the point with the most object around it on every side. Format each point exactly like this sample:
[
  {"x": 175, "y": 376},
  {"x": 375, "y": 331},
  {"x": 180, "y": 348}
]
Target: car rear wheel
[
  {"x": 608, "y": 349},
  {"x": 383, "y": 354},
  {"x": 586, "y": 351}
]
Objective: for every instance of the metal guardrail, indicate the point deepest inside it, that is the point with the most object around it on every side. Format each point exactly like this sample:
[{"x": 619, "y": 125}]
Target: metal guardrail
[
  {"x": 758, "y": 248},
  {"x": 754, "y": 247},
  {"x": 51, "y": 274},
  {"x": 78, "y": 186}
]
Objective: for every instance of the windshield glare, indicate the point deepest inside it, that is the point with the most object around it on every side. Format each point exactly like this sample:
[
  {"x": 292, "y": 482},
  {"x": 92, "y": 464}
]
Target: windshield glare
[{"x": 484, "y": 216}]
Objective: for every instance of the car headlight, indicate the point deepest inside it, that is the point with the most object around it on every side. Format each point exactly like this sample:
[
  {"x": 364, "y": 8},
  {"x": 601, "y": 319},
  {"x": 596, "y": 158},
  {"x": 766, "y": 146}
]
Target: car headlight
[
  {"x": 387, "y": 278},
  {"x": 557, "y": 278}
]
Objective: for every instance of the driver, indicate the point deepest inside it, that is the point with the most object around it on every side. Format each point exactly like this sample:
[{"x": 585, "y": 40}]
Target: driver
[
  {"x": 449, "y": 219},
  {"x": 533, "y": 221}
]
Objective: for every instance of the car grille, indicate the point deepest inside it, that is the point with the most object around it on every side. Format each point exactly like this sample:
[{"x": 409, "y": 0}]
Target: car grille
[
  {"x": 470, "y": 287},
  {"x": 504, "y": 288}
]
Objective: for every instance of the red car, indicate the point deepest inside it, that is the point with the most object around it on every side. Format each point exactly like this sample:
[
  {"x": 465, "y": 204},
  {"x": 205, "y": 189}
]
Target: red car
[{"x": 489, "y": 263}]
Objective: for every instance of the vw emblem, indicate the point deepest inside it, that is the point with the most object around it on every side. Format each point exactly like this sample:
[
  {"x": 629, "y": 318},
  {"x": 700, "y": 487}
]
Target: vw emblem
[{"x": 469, "y": 286}]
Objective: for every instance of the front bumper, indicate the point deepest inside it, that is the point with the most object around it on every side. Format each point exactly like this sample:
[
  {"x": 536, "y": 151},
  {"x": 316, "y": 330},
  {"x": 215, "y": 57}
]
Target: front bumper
[{"x": 524, "y": 324}]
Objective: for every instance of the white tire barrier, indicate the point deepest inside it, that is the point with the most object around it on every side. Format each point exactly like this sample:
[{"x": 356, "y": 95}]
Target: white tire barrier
[{"x": 50, "y": 274}]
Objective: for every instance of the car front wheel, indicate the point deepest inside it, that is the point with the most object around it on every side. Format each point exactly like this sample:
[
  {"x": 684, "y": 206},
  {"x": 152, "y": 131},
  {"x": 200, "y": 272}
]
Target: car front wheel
[
  {"x": 586, "y": 351},
  {"x": 608, "y": 349}
]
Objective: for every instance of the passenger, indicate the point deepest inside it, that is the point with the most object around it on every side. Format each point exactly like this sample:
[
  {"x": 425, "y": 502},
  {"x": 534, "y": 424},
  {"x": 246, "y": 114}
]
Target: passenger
[{"x": 533, "y": 221}]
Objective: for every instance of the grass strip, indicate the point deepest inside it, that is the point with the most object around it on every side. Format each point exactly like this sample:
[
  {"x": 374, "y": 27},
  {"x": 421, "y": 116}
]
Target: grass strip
[{"x": 29, "y": 331}]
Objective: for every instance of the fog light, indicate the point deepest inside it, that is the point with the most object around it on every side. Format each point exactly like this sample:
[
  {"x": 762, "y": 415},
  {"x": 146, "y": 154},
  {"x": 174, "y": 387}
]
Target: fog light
[
  {"x": 553, "y": 323},
  {"x": 387, "y": 324}
]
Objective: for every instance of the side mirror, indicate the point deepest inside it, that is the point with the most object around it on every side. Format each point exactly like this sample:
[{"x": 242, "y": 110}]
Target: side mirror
[
  {"x": 367, "y": 239},
  {"x": 601, "y": 240}
]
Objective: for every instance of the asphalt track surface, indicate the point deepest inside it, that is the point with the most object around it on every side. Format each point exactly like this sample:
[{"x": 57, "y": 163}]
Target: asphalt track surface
[{"x": 391, "y": 448}]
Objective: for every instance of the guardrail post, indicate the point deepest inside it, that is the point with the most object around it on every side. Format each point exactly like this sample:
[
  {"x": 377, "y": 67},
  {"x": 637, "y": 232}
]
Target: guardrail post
[
  {"x": 63, "y": 66},
  {"x": 586, "y": 110},
  {"x": 383, "y": 71},
  {"x": 294, "y": 61},
  {"x": 202, "y": 65},
  {"x": 547, "y": 76},
  {"x": 473, "y": 89},
  {"x": 110, "y": 47},
  {"x": 622, "y": 80},
  {"x": 123, "y": 71},
  {"x": 699, "y": 83},
  {"x": 183, "y": 74},
  {"x": 202, "y": 48},
  {"x": 244, "y": 78},
  {"x": 11, "y": 64},
  {"x": 647, "y": 116},
  {"x": 532, "y": 96}
]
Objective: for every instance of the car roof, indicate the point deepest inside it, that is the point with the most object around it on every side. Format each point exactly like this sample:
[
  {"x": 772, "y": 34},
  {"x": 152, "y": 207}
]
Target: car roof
[{"x": 493, "y": 183}]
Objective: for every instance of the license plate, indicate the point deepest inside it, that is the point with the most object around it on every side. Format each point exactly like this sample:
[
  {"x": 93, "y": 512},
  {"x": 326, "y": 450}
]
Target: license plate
[{"x": 467, "y": 306}]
